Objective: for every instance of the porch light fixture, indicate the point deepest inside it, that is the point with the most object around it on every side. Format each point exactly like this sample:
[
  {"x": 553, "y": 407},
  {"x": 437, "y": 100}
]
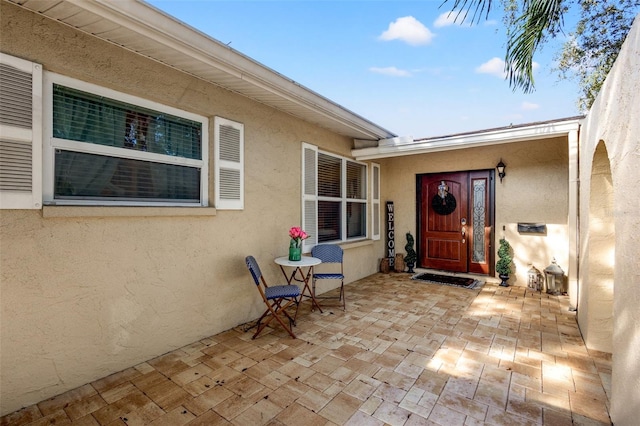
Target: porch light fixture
[{"x": 501, "y": 166}]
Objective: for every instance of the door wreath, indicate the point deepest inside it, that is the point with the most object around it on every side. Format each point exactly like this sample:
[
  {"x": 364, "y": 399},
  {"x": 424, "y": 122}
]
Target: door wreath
[{"x": 443, "y": 205}]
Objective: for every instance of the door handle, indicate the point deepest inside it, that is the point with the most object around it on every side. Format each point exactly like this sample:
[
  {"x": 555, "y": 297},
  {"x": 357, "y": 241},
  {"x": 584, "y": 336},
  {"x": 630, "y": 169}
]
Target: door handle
[{"x": 463, "y": 222}]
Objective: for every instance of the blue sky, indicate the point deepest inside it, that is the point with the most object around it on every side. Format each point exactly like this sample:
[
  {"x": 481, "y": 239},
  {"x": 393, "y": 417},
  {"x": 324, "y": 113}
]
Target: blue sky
[{"x": 401, "y": 64}]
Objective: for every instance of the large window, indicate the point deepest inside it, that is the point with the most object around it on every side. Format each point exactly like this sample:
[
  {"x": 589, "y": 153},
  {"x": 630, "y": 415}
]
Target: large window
[
  {"x": 335, "y": 197},
  {"x": 114, "y": 149}
]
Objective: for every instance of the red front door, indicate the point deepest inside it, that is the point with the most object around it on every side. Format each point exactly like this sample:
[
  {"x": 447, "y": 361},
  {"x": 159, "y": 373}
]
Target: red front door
[{"x": 455, "y": 221}]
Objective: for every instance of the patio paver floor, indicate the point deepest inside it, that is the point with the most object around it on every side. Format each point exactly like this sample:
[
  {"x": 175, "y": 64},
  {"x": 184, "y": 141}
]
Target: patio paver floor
[{"x": 403, "y": 353}]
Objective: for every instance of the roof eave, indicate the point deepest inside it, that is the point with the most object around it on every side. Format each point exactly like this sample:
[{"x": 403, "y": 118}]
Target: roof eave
[
  {"x": 170, "y": 33},
  {"x": 499, "y": 136}
]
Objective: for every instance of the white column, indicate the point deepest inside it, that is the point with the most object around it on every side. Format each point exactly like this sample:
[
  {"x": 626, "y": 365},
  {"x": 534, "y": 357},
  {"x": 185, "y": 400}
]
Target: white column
[{"x": 573, "y": 220}]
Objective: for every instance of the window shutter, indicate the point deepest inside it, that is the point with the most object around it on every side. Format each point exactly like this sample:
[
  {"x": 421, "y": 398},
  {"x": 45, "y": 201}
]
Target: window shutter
[
  {"x": 20, "y": 133},
  {"x": 375, "y": 201},
  {"x": 229, "y": 167},
  {"x": 310, "y": 195}
]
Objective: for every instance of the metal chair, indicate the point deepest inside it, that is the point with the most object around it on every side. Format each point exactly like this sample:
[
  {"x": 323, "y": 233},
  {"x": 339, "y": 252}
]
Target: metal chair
[
  {"x": 277, "y": 298},
  {"x": 330, "y": 254}
]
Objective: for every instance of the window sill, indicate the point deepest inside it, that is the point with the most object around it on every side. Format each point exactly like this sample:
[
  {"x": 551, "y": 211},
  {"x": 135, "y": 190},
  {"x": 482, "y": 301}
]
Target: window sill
[
  {"x": 102, "y": 211},
  {"x": 355, "y": 244}
]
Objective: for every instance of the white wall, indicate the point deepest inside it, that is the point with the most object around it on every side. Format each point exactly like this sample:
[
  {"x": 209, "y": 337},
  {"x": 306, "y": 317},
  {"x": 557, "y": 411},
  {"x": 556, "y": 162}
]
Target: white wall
[{"x": 614, "y": 120}]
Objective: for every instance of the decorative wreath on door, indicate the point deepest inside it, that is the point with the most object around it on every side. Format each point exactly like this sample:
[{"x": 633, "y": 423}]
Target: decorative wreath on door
[
  {"x": 443, "y": 203},
  {"x": 443, "y": 206}
]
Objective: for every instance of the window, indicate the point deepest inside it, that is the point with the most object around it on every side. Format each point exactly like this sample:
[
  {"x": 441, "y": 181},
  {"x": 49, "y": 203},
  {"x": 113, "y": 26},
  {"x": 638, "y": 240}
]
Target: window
[
  {"x": 109, "y": 148},
  {"x": 334, "y": 197}
]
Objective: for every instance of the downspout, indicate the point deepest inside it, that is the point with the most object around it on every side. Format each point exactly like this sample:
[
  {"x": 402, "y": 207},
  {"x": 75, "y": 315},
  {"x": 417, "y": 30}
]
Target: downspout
[{"x": 574, "y": 217}]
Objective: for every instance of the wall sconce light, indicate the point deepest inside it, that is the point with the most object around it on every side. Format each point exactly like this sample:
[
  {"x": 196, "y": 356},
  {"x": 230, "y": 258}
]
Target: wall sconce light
[{"x": 501, "y": 166}]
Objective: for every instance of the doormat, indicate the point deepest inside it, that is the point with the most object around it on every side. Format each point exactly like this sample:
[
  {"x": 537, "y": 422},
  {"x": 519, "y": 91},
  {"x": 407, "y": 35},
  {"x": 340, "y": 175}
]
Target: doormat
[{"x": 461, "y": 282}]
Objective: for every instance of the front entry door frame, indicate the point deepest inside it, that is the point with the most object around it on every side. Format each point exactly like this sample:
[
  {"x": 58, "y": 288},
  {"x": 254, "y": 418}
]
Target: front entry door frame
[{"x": 478, "y": 210}]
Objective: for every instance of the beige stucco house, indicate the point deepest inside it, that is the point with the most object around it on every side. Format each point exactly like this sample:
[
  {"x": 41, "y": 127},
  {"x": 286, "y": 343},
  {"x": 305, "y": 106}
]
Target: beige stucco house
[{"x": 141, "y": 161}]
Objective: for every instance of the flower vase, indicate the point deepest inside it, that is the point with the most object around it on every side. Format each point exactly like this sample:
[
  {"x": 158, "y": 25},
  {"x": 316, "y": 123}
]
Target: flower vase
[{"x": 295, "y": 253}]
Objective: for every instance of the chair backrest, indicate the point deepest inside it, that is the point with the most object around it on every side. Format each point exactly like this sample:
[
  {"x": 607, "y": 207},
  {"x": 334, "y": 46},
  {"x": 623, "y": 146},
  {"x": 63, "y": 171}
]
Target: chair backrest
[
  {"x": 328, "y": 253},
  {"x": 252, "y": 264}
]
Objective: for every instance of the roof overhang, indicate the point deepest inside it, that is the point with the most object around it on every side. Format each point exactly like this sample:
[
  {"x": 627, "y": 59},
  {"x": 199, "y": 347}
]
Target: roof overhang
[
  {"x": 401, "y": 146},
  {"x": 147, "y": 31}
]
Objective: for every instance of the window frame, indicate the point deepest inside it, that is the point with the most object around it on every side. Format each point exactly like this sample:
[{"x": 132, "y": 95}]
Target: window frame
[
  {"x": 50, "y": 144},
  {"x": 311, "y": 197}
]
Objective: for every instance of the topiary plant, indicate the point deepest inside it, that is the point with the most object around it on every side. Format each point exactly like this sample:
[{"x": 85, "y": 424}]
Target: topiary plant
[
  {"x": 411, "y": 257},
  {"x": 503, "y": 265}
]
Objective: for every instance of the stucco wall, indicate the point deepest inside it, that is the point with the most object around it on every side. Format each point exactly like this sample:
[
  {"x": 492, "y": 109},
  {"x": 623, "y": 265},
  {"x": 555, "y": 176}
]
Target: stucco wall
[
  {"x": 614, "y": 120},
  {"x": 535, "y": 189},
  {"x": 82, "y": 297}
]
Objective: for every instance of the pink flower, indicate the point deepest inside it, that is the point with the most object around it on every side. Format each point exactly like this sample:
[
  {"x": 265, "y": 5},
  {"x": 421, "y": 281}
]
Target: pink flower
[{"x": 297, "y": 235}]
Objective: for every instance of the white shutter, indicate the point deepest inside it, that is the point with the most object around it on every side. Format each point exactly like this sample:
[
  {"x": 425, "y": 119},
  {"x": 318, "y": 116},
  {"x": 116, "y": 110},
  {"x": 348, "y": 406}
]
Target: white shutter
[
  {"x": 310, "y": 195},
  {"x": 20, "y": 133},
  {"x": 229, "y": 167},
  {"x": 375, "y": 201}
]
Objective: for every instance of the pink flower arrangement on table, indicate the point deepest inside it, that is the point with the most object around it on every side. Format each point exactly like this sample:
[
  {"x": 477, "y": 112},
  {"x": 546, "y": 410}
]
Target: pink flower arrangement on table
[{"x": 297, "y": 235}]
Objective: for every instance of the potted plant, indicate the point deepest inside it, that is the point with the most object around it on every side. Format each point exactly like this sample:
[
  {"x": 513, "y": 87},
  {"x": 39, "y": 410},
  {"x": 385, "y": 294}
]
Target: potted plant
[
  {"x": 411, "y": 256},
  {"x": 503, "y": 265},
  {"x": 297, "y": 235}
]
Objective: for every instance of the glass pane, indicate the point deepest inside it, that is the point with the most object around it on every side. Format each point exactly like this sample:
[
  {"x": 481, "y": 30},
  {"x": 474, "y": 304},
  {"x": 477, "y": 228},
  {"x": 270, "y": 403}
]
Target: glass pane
[
  {"x": 329, "y": 176},
  {"x": 356, "y": 220},
  {"x": 479, "y": 207},
  {"x": 329, "y": 221},
  {"x": 84, "y": 117},
  {"x": 356, "y": 181},
  {"x": 80, "y": 176}
]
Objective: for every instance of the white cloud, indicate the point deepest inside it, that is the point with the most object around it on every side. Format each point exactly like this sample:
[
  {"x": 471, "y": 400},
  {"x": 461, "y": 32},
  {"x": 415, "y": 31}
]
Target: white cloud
[
  {"x": 527, "y": 106},
  {"x": 409, "y": 30},
  {"x": 494, "y": 66},
  {"x": 391, "y": 71},
  {"x": 452, "y": 18}
]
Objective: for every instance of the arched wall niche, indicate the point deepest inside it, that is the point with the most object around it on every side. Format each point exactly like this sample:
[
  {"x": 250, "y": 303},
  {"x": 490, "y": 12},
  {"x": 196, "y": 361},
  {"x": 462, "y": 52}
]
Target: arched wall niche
[{"x": 599, "y": 283}]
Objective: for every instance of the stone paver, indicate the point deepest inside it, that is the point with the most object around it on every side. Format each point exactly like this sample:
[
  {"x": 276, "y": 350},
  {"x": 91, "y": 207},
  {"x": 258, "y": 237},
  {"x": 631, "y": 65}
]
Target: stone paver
[{"x": 403, "y": 353}]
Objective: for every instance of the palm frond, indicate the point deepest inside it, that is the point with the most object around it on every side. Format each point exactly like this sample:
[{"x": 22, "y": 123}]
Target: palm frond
[
  {"x": 539, "y": 16},
  {"x": 480, "y": 7}
]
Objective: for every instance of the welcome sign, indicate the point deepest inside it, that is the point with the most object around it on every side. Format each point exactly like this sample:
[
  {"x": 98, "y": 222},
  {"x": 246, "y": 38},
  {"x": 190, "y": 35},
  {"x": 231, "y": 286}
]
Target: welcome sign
[{"x": 391, "y": 244}]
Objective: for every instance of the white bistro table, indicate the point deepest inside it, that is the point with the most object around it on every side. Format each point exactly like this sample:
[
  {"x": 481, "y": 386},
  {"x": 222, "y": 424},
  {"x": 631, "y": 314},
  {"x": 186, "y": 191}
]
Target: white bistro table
[{"x": 298, "y": 274}]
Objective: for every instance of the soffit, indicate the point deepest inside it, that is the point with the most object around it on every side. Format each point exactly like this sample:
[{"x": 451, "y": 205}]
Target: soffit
[{"x": 145, "y": 30}]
